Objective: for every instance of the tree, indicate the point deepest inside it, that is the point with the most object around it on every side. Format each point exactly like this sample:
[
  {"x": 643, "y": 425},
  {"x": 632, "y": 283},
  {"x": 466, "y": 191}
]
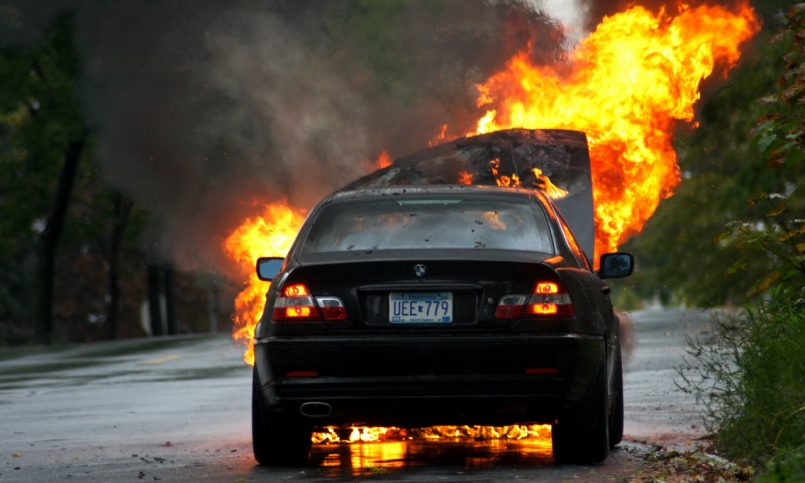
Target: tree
[{"x": 40, "y": 100}]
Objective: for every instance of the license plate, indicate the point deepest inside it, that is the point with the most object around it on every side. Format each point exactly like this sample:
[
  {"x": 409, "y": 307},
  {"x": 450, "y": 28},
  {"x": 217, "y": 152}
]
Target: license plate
[{"x": 420, "y": 308}]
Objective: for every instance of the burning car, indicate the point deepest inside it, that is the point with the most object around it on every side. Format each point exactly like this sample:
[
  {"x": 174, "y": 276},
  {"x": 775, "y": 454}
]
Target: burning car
[{"x": 411, "y": 299}]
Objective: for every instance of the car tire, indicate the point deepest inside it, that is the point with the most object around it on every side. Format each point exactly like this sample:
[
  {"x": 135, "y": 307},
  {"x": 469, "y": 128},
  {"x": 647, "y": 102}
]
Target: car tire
[
  {"x": 277, "y": 439},
  {"x": 616, "y": 412},
  {"x": 583, "y": 436}
]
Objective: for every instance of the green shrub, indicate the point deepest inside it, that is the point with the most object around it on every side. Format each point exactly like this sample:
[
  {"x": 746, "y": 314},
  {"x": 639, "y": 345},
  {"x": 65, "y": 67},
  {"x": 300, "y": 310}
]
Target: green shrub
[
  {"x": 751, "y": 377},
  {"x": 771, "y": 385},
  {"x": 785, "y": 467}
]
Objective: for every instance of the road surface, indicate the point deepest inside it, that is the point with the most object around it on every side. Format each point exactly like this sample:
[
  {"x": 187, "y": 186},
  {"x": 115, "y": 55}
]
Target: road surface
[{"x": 178, "y": 409}]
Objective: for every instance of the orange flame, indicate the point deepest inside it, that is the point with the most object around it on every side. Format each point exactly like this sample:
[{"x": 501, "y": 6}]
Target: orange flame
[
  {"x": 440, "y": 137},
  {"x": 540, "y": 181},
  {"x": 384, "y": 160},
  {"x": 363, "y": 434},
  {"x": 465, "y": 177},
  {"x": 266, "y": 235},
  {"x": 548, "y": 187},
  {"x": 625, "y": 86}
]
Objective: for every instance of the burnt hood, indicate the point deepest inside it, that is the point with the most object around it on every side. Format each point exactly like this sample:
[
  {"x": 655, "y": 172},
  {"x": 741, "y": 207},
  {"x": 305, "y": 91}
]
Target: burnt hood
[{"x": 562, "y": 157}]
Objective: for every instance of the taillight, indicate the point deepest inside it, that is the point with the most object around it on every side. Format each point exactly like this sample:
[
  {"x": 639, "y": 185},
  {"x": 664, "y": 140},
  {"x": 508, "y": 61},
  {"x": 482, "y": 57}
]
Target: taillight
[
  {"x": 546, "y": 288},
  {"x": 510, "y": 306},
  {"x": 548, "y": 299},
  {"x": 332, "y": 308},
  {"x": 296, "y": 303},
  {"x": 295, "y": 290},
  {"x": 543, "y": 309}
]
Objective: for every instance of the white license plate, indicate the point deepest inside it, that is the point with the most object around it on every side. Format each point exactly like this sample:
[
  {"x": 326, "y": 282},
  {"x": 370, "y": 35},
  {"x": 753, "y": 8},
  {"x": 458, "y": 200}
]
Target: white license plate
[{"x": 420, "y": 308}]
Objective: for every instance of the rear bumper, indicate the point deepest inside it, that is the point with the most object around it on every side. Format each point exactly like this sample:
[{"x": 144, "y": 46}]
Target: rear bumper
[{"x": 424, "y": 380}]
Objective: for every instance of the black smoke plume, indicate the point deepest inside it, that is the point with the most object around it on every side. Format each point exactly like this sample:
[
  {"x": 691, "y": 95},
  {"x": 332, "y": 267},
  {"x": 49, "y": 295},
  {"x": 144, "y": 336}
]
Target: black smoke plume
[{"x": 202, "y": 109}]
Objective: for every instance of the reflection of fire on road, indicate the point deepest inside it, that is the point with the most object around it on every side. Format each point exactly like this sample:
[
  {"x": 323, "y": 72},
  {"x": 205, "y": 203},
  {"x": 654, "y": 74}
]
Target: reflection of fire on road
[
  {"x": 625, "y": 86},
  {"x": 357, "y": 460}
]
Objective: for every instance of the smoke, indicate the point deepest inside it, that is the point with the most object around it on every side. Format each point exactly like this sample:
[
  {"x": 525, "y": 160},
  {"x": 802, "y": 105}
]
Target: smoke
[
  {"x": 570, "y": 14},
  {"x": 200, "y": 110}
]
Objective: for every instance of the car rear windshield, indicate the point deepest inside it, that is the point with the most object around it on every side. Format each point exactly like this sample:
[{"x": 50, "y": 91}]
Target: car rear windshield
[{"x": 389, "y": 224}]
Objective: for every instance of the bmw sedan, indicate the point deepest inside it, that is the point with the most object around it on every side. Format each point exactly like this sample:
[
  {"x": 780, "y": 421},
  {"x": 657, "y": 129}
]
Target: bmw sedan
[{"x": 434, "y": 305}]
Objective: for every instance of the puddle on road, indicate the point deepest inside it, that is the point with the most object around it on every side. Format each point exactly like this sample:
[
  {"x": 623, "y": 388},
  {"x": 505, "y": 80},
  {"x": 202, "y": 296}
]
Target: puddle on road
[{"x": 378, "y": 458}]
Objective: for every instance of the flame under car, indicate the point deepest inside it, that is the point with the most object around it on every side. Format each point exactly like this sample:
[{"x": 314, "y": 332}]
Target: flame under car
[{"x": 417, "y": 306}]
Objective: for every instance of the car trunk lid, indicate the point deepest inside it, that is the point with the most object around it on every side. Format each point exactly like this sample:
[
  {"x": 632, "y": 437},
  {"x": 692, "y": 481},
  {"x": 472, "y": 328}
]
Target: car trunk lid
[{"x": 379, "y": 295}]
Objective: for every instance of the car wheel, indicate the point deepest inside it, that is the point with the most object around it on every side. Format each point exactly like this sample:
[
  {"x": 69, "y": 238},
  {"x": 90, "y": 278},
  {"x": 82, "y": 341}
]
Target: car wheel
[
  {"x": 277, "y": 439},
  {"x": 583, "y": 436},
  {"x": 616, "y": 413}
]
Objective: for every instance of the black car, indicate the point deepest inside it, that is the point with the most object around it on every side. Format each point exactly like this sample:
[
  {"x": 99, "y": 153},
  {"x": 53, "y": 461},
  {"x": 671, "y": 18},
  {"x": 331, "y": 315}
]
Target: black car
[{"x": 434, "y": 305}]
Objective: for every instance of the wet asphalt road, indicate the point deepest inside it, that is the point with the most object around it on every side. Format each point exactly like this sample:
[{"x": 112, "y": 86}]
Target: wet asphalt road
[{"x": 177, "y": 409}]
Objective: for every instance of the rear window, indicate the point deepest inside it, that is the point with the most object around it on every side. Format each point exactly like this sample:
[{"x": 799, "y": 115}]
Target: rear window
[{"x": 390, "y": 224}]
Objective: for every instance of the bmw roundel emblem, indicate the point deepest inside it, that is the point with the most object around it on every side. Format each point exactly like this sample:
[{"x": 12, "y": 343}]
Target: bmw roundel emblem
[{"x": 420, "y": 270}]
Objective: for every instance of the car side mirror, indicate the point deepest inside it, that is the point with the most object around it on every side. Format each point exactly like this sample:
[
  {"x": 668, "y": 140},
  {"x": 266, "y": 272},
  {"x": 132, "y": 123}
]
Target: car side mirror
[
  {"x": 269, "y": 267},
  {"x": 616, "y": 265}
]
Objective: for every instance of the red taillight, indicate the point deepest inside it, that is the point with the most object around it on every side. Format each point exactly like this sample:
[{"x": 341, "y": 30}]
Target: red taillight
[
  {"x": 302, "y": 374},
  {"x": 548, "y": 299},
  {"x": 297, "y": 304},
  {"x": 332, "y": 308},
  {"x": 543, "y": 309},
  {"x": 510, "y": 306},
  {"x": 299, "y": 312},
  {"x": 295, "y": 290},
  {"x": 546, "y": 288}
]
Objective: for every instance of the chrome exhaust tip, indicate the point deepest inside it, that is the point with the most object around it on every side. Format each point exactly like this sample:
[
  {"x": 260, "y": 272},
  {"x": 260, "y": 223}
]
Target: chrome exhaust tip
[{"x": 316, "y": 409}]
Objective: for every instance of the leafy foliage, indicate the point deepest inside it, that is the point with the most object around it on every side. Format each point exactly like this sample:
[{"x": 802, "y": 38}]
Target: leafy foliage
[
  {"x": 752, "y": 378},
  {"x": 788, "y": 465}
]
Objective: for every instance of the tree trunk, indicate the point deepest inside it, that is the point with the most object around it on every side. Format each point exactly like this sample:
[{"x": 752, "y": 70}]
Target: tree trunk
[
  {"x": 49, "y": 241},
  {"x": 170, "y": 313},
  {"x": 154, "y": 303},
  {"x": 122, "y": 210},
  {"x": 214, "y": 305}
]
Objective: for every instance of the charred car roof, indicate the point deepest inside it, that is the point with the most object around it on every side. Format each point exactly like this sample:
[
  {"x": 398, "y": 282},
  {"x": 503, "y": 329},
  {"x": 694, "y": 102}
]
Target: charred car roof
[{"x": 437, "y": 190}]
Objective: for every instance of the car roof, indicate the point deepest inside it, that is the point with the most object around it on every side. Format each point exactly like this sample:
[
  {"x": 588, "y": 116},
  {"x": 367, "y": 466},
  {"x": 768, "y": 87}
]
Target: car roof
[{"x": 437, "y": 190}]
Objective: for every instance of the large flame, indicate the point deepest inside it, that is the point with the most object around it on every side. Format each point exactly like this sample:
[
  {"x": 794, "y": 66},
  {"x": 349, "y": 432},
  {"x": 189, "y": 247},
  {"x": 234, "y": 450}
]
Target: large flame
[
  {"x": 625, "y": 86},
  {"x": 267, "y": 235}
]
